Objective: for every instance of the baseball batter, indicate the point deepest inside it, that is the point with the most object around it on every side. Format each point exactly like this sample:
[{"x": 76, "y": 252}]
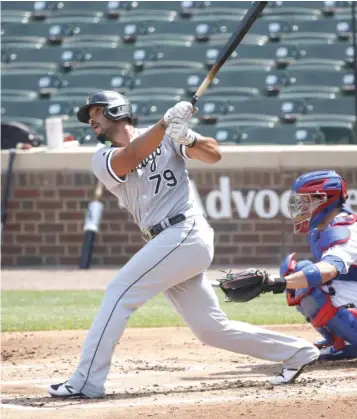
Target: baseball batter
[{"x": 146, "y": 169}]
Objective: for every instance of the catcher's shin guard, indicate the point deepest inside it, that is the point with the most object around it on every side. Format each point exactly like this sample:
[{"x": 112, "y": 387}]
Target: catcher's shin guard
[{"x": 341, "y": 322}]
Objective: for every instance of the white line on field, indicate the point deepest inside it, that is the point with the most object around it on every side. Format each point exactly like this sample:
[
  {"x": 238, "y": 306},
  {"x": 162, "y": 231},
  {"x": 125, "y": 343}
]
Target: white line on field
[
  {"x": 30, "y": 366},
  {"x": 209, "y": 399}
]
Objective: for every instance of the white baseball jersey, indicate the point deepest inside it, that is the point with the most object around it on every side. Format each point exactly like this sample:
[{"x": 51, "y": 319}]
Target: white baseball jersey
[
  {"x": 158, "y": 188},
  {"x": 346, "y": 290}
]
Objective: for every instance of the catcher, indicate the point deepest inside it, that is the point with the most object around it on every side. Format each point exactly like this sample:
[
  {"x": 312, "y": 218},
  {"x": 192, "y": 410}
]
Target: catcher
[{"x": 325, "y": 292}]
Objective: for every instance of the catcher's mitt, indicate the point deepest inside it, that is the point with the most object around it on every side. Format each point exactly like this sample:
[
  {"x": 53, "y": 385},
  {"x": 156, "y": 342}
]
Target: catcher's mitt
[{"x": 244, "y": 286}]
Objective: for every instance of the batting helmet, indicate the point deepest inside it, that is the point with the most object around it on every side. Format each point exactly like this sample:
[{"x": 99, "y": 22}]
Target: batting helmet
[{"x": 116, "y": 106}]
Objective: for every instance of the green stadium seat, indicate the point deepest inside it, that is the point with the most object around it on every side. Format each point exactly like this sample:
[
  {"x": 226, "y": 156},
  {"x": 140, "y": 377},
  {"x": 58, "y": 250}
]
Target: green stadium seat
[
  {"x": 341, "y": 108},
  {"x": 231, "y": 79},
  {"x": 270, "y": 55},
  {"x": 273, "y": 28},
  {"x": 109, "y": 32},
  {"x": 39, "y": 33},
  {"x": 117, "y": 59},
  {"x": 331, "y": 8},
  {"x": 81, "y": 132},
  {"x": 288, "y": 135},
  {"x": 330, "y": 82},
  {"x": 38, "y": 109},
  {"x": 25, "y": 83},
  {"x": 292, "y": 8},
  {"x": 287, "y": 111},
  {"x": 46, "y": 59},
  {"x": 38, "y": 10},
  {"x": 86, "y": 82},
  {"x": 149, "y": 110},
  {"x": 168, "y": 81},
  {"x": 323, "y": 30},
  {"x": 229, "y": 135},
  {"x": 336, "y": 55},
  {"x": 334, "y": 130},
  {"x": 190, "y": 57},
  {"x": 79, "y": 9}
]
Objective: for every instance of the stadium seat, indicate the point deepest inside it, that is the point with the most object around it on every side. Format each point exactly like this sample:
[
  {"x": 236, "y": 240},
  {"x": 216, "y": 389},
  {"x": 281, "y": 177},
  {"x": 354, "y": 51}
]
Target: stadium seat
[
  {"x": 80, "y": 9},
  {"x": 176, "y": 82},
  {"x": 231, "y": 79},
  {"x": 38, "y": 10},
  {"x": 86, "y": 82},
  {"x": 331, "y": 8},
  {"x": 193, "y": 57},
  {"x": 314, "y": 81},
  {"x": 229, "y": 135},
  {"x": 46, "y": 59},
  {"x": 270, "y": 55},
  {"x": 273, "y": 28},
  {"x": 26, "y": 83},
  {"x": 81, "y": 132},
  {"x": 338, "y": 108},
  {"x": 335, "y": 131},
  {"x": 39, "y": 33},
  {"x": 321, "y": 30},
  {"x": 109, "y": 32},
  {"x": 308, "y": 8},
  {"x": 333, "y": 55},
  {"x": 117, "y": 59},
  {"x": 38, "y": 109},
  {"x": 148, "y": 110},
  {"x": 287, "y": 111},
  {"x": 288, "y": 135}
]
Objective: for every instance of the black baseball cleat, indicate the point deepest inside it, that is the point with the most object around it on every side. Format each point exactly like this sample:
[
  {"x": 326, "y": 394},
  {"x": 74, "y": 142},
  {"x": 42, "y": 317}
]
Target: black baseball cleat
[{"x": 65, "y": 391}]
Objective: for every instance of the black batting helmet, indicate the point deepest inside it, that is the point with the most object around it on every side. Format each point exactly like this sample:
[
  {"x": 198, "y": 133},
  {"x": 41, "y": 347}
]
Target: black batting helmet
[{"x": 116, "y": 106}]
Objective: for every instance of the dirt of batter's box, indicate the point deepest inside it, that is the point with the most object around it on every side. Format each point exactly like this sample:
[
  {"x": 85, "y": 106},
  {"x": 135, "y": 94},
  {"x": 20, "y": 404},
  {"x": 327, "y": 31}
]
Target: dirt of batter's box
[{"x": 168, "y": 373}]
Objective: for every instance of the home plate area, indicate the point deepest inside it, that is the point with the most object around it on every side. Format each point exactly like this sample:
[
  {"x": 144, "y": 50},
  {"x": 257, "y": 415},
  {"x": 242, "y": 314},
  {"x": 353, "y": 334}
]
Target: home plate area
[{"x": 167, "y": 372}]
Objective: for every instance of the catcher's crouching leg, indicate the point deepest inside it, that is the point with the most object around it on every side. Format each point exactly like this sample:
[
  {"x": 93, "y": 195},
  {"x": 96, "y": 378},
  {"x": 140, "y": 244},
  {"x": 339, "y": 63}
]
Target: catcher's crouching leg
[{"x": 337, "y": 324}]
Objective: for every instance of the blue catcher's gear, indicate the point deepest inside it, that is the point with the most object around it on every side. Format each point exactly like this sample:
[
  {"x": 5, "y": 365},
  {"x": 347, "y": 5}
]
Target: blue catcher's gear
[
  {"x": 335, "y": 324},
  {"x": 314, "y": 196},
  {"x": 337, "y": 232}
]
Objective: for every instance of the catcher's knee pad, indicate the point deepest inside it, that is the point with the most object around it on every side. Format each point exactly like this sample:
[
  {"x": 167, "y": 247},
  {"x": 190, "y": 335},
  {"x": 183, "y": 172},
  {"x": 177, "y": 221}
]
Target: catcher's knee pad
[{"x": 318, "y": 309}]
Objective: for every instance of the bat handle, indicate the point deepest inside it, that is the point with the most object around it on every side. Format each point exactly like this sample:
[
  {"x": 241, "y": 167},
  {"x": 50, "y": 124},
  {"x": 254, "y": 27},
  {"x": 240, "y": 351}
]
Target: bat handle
[{"x": 194, "y": 100}]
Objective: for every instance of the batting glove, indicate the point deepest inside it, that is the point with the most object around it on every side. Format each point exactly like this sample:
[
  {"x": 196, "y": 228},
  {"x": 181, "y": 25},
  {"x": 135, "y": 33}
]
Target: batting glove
[
  {"x": 177, "y": 130},
  {"x": 181, "y": 111}
]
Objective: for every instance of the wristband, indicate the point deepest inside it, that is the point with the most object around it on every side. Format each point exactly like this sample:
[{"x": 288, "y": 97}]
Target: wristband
[
  {"x": 313, "y": 275},
  {"x": 277, "y": 287},
  {"x": 192, "y": 139}
]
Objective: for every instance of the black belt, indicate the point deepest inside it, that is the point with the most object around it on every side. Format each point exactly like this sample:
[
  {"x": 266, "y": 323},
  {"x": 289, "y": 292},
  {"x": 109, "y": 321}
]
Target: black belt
[{"x": 158, "y": 228}]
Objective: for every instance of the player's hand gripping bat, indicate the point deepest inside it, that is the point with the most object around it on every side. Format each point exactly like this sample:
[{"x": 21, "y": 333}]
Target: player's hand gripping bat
[
  {"x": 236, "y": 38},
  {"x": 91, "y": 226}
]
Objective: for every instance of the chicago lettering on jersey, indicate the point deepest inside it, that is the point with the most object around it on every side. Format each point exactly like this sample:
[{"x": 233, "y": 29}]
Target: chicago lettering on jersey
[{"x": 151, "y": 159}]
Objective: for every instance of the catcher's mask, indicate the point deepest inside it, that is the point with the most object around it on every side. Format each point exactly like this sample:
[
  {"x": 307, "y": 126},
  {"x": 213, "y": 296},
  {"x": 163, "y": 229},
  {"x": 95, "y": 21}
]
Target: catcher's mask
[
  {"x": 314, "y": 196},
  {"x": 116, "y": 106}
]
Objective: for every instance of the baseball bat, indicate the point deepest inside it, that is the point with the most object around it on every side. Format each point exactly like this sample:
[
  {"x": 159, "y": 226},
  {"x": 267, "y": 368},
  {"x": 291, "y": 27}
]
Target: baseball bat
[
  {"x": 235, "y": 39},
  {"x": 7, "y": 187},
  {"x": 91, "y": 226}
]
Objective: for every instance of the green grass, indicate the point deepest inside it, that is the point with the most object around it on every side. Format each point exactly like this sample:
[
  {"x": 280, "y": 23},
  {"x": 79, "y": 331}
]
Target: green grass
[{"x": 59, "y": 310}]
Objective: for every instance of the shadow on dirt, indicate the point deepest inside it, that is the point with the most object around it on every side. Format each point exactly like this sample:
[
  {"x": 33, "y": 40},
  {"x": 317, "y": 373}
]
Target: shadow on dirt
[{"x": 49, "y": 402}]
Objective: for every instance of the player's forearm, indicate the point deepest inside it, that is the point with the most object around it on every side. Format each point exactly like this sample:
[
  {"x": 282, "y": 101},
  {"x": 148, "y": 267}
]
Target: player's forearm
[
  {"x": 299, "y": 279},
  {"x": 127, "y": 158},
  {"x": 205, "y": 149}
]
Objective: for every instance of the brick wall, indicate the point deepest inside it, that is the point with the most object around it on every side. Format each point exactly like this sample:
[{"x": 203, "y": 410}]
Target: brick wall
[{"x": 46, "y": 214}]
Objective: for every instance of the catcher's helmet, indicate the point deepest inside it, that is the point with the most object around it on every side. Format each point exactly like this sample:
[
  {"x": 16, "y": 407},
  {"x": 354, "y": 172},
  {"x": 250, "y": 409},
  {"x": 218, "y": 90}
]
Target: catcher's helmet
[
  {"x": 314, "y": 196},
  {"x": 116, "y": 106}
]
